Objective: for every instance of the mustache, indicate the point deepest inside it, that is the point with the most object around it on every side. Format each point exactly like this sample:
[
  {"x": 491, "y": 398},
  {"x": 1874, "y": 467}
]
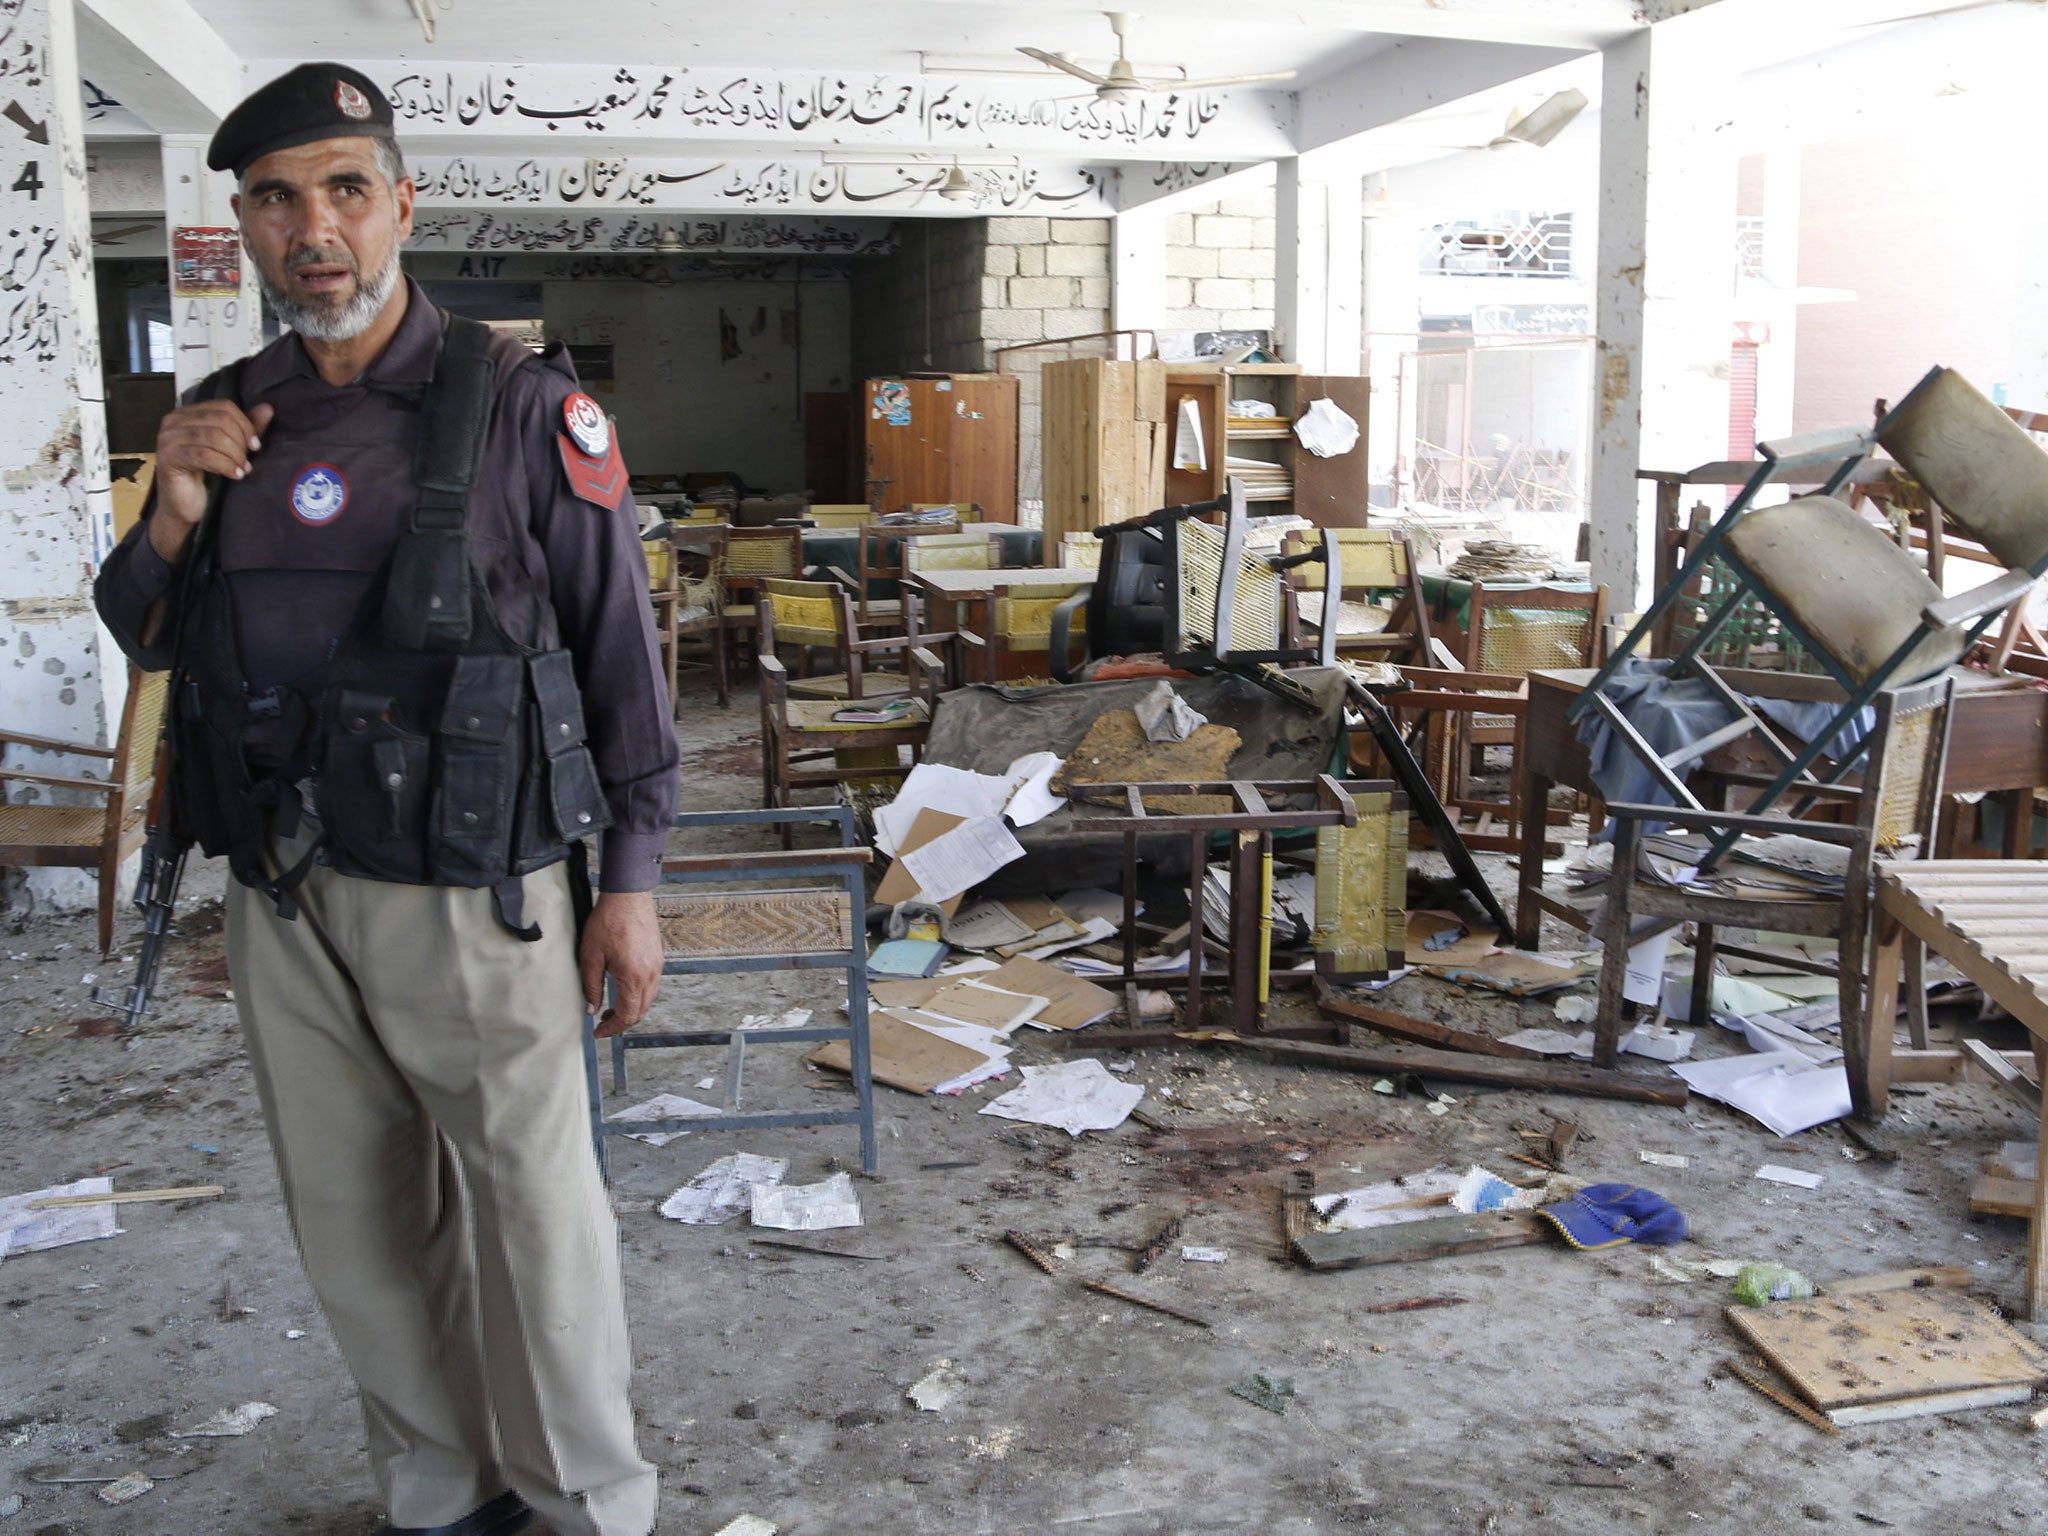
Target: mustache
[{"x": 312, "y": 256}]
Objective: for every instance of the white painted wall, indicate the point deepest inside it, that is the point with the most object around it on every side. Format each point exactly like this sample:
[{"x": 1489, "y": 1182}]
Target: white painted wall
[{"x": 679, "y": 407}]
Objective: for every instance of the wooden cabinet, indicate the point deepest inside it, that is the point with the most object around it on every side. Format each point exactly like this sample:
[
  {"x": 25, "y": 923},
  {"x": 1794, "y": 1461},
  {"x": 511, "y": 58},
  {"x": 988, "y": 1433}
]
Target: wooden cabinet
[
  {"x": 1279, "y": 475},
  {"x": 1104, "y": 454},
  {"x": 950, "y": 438}
]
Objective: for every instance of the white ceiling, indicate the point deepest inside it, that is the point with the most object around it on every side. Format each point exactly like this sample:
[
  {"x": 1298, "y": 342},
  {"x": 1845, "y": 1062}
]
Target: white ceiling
[{"x": 784, "y": 34}]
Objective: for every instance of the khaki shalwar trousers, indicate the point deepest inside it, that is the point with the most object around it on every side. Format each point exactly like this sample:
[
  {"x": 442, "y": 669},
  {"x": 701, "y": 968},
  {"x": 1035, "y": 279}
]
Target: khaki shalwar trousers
[{"x": 421, "y": 1071}]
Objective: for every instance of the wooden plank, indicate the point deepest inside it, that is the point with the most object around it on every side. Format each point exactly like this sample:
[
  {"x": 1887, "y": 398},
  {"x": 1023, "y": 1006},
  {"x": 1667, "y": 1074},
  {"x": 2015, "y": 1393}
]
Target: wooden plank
[
  {"x": 1117, "y": 490},
  {"x": 130, "y": 1197},
  {"x": 1064, "y": 467},
  {"x": 1933, "y": 1402},
  {"x": 2004, "y": 1073},
  {"x": 1408, "y": 1241},
  {"x": 1850, "y": 1351},
  {"x": 1953, "y": 1275},
  {"x": 1418, "y": 1031},
  {"x": 1461, "y": 1067},
  {"x": 1993, "y": 1194},
  {"x": 1148, "y": 398},
  {"x": 1783, "y": 1399}
]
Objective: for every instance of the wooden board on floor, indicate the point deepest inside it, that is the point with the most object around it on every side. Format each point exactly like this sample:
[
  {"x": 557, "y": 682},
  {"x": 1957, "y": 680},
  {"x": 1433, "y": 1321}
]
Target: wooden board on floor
[
  {"x": 1405, "y": 1242},
  {"x": 1885, "y": 1347},
  {"x": 1993, "y": 1195}
]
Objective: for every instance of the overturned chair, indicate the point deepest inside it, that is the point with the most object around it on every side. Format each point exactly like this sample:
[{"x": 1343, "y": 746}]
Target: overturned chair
[{"x": 1843, "y": 588}]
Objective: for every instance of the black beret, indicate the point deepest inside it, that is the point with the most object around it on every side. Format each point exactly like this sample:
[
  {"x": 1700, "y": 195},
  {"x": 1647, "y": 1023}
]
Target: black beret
[{"x": 314, "y": 101}]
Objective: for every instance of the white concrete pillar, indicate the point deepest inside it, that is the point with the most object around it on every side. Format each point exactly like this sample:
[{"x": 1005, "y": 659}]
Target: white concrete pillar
[
  {"x": 214, "y": 306},
  {"x": 1137, "y": 269},
  {"x": 1664, "y": 288},
  {"x": 1775, "y": 373},
  {"x": 1393, "y": 315},
  {"x": 1318, "y": 263},
  {"x": 60, "y": 675}
]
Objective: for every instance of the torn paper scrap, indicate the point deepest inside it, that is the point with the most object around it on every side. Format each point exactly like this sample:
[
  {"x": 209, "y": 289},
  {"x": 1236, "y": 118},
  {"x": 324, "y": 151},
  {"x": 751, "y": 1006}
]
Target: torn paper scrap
[
  {"x": 1664, "y": 1159},
  {"x": 807, "y": 1207},
  {"x": 936, "y": 1388},
  {"x": 228, "y": 1423},
  {"x": 664, "y": 1106},
  {"x": 1479, "y": 1190},
  {"x": 1418, "y": 1197},
  {"x": 1076, "y": 1096},
  {"x": 1326, "y": 429},
  {"x": 125, "y": 1490},
  {"x": 1193, "y": 1255},
  {"x": 1782, "y": 1089},
  {"x": 724, "y": 1189},
  {"x": 27, "y": 1231},
  {"x": 746, "y": 1525},
  {"x": 1032, "y": 799},
  {"x": 1797, "y": 1177},
  {"x": 961, "y": 859},
  {"x": 984, "y": 925}
]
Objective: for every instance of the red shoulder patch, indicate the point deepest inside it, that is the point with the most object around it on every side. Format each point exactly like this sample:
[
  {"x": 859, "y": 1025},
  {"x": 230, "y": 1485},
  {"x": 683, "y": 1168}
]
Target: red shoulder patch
[{"x": 600, "y": 480}]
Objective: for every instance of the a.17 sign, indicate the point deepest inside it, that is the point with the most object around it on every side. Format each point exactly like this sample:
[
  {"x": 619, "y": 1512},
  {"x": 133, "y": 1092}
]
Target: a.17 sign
[{"x": 206, "y": 263}]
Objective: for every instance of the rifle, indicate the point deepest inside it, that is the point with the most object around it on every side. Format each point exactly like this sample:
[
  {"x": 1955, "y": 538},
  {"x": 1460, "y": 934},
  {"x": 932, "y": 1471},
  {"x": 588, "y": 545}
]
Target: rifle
[{"x": 156, "y": 883}]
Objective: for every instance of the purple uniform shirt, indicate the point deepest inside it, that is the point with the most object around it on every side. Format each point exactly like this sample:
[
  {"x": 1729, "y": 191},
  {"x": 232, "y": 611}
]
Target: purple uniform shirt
[{"x": 302, "y": 538}]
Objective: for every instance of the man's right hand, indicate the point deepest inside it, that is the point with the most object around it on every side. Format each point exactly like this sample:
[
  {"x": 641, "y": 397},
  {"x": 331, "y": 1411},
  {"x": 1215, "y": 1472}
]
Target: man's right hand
[{"x": 209, "y": 437}]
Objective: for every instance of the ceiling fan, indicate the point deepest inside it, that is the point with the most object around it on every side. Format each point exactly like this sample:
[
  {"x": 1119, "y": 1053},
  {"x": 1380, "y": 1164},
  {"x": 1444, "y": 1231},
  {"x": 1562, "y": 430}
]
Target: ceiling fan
[
  {"x": 1532, "y": 129},
  {"x": 1125, "y": 84}
]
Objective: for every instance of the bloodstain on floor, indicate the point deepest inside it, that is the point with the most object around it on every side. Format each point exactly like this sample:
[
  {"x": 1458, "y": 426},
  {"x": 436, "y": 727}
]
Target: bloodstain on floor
[
  {"x": 737, "y": 758},
  {"x": 94, "y": 1029}
]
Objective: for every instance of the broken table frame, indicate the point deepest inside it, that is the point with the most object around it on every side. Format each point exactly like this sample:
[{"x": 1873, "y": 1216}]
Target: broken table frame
[
  {"x": 796, "y": 909},
  {"x": 1251, "y": 820}
]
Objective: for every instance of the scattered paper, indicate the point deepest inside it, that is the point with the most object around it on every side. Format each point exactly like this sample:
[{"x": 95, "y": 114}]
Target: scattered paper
[
  {"x": 1577, "y": 1008},
  {"x": 1086, "y": 904},
  {"x": 1070, "y": 1002},
  {"x": 1478, "y": 1190},
  {"x": 920, "y": 1054},
  {"x": 1552, "y": 1042},
  {"x": 228, "y": 1423},
  {"x": 991, "y": 1007},
  {"x": 1644, "y": 980},
  {"x": 25, "y": 1231},
  {"x": 956, "y": 793},
  {"x": 124, "y": 1490},
  {"x": 961, "y": 859},
  {"x": 936, "y": 1388},
  {"x": 1190, "y": 1255},
  {"x": 794, "y": 1018},
  {"x": 1659, "y": 1042},
  {"x": 746, "y": 1525},
  {"x": 663, "y": 1106},
  {"x": 724, "y": 1189},
  {"x": 1032, "y": 798},
  {"x": 1797, "y": 1177},
  {"x": 807, "y": 1207},
  {"x": 1190, "y": 443},
  {"x": 1094, "y": 931},
  {"x": 984, "y": 925},
  {"x": 1075, "y": 1096},
  {"x": 1418, "y": 1197},
  {"x": 1781, "y": 1088},
  {"x": 1326, "y": 429},
  {"x": 1664, "y": 1159}
]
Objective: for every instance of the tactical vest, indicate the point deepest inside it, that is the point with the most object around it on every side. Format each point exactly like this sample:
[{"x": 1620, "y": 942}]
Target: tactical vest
[{"x": 441, "y": 750}]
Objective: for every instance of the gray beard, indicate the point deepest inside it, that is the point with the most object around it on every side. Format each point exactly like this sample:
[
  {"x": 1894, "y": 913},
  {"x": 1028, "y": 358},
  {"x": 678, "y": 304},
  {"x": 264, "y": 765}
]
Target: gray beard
[{"x": 343, "y": 324}]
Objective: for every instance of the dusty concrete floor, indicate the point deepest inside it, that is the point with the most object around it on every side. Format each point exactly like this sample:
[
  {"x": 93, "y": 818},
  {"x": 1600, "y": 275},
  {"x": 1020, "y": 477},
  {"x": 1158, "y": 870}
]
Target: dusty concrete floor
[{"x": 1571, "y": 1393}]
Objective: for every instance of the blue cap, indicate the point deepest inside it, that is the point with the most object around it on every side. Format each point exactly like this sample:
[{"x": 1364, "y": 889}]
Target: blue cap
[{"x": 1608, "y": 1215}]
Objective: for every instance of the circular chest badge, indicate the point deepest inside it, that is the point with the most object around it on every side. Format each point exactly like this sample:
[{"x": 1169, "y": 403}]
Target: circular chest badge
[
  {"x": 351, "y": 102},
  {"x": 587, "y": 424},
  {"x": 318, "y": 494}
]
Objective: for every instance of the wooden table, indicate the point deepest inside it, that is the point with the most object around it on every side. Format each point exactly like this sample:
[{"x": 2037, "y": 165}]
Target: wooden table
[
  {"x": 1998, "y": 743},
  {"x": 1989, "y": 920}
]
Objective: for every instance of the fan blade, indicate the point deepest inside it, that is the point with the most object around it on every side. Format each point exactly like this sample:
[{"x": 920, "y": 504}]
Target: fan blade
[
  {"x": 1057, "y": 62},
  {"x": 1217, "y": 82},
  {"x": 1545, "y": 122}
]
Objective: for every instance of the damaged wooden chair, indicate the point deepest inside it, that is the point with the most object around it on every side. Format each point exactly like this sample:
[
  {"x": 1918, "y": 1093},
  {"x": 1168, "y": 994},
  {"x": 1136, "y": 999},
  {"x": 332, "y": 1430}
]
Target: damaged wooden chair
[
  {"x": 819, "y": 615},
  {"x": 804, "y": 747},
  {"x": 96, "y": 837},
  {"x": 1375, "y": 563},
  {"x": 1866, "y": 611},
  {"x": 1894, "y": 816}
]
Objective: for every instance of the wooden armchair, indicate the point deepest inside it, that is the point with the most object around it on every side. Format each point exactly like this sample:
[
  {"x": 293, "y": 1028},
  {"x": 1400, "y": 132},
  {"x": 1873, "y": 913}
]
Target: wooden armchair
[
  {"x": 879, "y": 557},
  {"x": 751, "y": 556},
  {"x": 95, "y": 837},
  {"x": 1373, "y": 562},
  {"x": 803, "y": 747},
  {"x": 1016, "y": 629},
  {"x": 1894, "y": 812},
  {"x": 818, "y": 615}
]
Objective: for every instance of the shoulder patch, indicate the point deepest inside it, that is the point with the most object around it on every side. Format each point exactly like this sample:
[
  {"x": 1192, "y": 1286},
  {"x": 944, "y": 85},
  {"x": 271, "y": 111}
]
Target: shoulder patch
[
  {"x": 599, "y": 479},
  {"x": 587, "y": 425}
]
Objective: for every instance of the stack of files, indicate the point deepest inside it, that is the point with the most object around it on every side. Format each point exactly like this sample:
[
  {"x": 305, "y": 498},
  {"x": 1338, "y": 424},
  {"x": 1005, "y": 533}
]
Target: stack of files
[{"x": 1263, "y": 480}]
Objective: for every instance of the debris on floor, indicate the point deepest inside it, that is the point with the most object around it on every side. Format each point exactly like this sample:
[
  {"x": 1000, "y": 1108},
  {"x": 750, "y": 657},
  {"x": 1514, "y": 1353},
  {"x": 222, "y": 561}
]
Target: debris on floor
[
  {"x": 26, "y": 1227},
  {"x": 936, "y": 1388},
  {"x": 724, "y": 1189},
  {"x": 807, "y": 1207},
  {"x": 229, "y": 1423},
  {"x": 1262, "y": 1391},
  {"x": 1075, "y": 1096},
  {"x": 663, "y": 1106}
]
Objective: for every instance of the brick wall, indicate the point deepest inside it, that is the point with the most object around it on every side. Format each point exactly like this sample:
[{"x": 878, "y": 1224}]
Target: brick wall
[
  {"x": 1046, "y": 278},
  {"x": 1219, "y": 265}
]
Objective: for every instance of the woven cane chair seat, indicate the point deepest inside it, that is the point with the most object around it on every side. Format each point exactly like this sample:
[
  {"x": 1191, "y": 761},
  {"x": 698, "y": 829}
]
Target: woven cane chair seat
[{"x": 699, "y": 925}]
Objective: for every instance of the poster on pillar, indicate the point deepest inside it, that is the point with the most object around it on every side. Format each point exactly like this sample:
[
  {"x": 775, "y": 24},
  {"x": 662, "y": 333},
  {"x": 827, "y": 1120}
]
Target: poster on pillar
[{"x": 206, "y": 262}]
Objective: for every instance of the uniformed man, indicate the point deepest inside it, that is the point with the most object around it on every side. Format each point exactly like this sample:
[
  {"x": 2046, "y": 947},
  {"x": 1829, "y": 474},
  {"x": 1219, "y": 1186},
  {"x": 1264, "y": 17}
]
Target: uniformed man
[{"x": 395, "y": 561}]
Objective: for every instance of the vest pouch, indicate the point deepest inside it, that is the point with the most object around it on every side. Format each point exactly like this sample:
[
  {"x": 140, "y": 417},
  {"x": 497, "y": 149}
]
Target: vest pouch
[
  {"x": 478, "y": 743},
  {"x": 575, "y": 799},
  {"x": 372, "y": 788},
  {"x": 427, "y": 596}
]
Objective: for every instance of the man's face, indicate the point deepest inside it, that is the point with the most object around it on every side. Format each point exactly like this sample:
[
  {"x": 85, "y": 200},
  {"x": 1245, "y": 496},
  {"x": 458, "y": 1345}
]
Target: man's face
[{"x": 323, "y": 224}]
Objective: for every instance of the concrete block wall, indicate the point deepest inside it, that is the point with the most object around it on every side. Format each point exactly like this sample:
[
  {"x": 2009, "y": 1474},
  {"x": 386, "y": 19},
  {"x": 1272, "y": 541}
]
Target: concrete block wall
[
  {"x": 1219, "y": 265},
  {"x": 1047, "y": 278},
  {"x": 923, "y": 307}
]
